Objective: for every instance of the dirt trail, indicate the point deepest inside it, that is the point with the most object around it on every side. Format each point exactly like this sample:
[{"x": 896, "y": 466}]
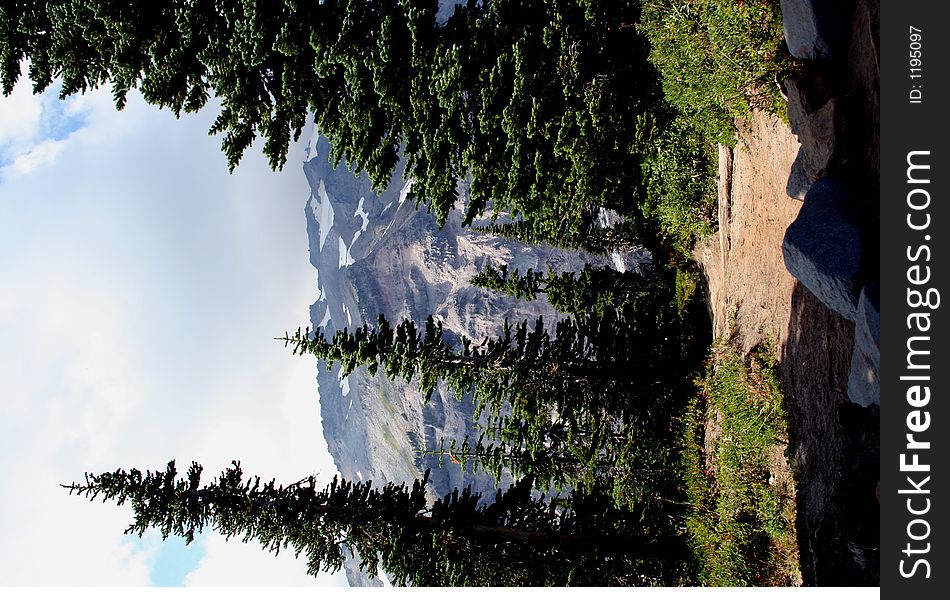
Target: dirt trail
[
  {"x": 749, "y": 286},
  {"x": 753, "y": 299}
]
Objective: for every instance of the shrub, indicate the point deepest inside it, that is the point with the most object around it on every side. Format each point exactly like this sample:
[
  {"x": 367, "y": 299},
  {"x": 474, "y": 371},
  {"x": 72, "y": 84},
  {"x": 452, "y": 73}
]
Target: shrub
[
  {"x": 741, "y": 522},
  {"x": 718, "y": 60},
  {"x": 679, "y": 173}
]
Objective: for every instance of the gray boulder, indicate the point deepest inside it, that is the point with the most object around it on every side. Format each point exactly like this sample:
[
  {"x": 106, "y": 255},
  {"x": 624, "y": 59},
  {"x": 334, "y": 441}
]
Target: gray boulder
[
  {"x": 864, "y": 383},
  {"x": 818, "y": 140},
  {"x": 799, "y": 181},
  {"x": 814, "y": 30},
  {"x": 811, "y": 115},
  {"x": 822, "y": 247}
]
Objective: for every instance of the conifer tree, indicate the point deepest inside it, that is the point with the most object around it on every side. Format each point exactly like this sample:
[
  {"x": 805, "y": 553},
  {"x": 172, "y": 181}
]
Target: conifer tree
[
  {"x": 592, "y": 291},
  {"x": 622, "y": 237},
  {"x": 572, "y": 395},
  {"x": 533, "y": 102},
  {"x": 519, "y": 539},
  {"x": 574, "y": 372},
  {"x": 554, "y": 464},
  {"x": 633, "y": 467}
]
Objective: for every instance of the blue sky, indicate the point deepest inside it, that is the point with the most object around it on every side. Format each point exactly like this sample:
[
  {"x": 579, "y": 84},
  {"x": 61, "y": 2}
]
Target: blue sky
[{"x": 140, "y": 288}]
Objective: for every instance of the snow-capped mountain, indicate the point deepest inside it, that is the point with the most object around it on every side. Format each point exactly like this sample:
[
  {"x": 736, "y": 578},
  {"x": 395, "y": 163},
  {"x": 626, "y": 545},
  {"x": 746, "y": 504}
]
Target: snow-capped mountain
[{"x": 377, "y": 254}]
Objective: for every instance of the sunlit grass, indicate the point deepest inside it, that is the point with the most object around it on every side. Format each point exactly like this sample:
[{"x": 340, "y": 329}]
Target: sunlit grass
[{"x": 739, "y": 483}]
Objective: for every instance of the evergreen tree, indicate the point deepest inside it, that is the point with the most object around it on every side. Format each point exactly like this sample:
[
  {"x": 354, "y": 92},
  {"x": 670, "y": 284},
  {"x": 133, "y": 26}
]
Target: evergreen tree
[
  {"x": 519, "y": 539},
  {"x": 556, "y": 464},
  {"x": 249, "y": 53},
  {"x": 636, "y": 469},
  {"x": 587, "y": 394},
  {"x": 622, "y": 237},
  {"x": 535, "y": 103},
  {"x": 574, "y": 373},
  {"x": 592, "y": 291}
]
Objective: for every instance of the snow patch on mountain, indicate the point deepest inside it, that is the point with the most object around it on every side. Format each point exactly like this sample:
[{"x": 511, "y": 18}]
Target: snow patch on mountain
[
  {"x": 618, "y": 260},
  {"x": 362, "y": 214},
  {"x": 326, "y": 316},
  {"x": 346, "y": 313},
  {"x": 346, "y": 259},
  {"x": 325, "y": 214},
  {"x": 404, "y": 192}
]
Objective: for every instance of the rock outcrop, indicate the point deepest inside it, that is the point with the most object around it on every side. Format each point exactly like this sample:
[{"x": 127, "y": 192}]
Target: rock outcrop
[
  {"x": 835, "y": 116},
  {"x": 864, "y": 383},
  {"x": 799, "y": 182},
  {"x": 811, "y": 116},
  {"x": 830, "y": 367},
  {"x": 814, "y": 30},
  {"x": 822, "y": 247}
]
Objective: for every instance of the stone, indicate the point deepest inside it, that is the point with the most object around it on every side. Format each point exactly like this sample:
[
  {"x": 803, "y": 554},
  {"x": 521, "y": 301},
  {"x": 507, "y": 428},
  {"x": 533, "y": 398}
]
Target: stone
[
  {"x": 806, "y": 93},
  {"x": 818, "y": 141},
  {"x": 799, "y": 182},
  {"x": 811, "y": 115},
  {"x": 864, "y": 382},
  {"x": 814, "y": 29},
  {"x": 822, "y": 247}
]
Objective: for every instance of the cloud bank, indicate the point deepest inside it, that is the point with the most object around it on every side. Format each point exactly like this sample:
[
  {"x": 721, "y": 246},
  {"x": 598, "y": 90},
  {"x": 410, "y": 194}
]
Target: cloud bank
[{"x": 142, "y": 288}]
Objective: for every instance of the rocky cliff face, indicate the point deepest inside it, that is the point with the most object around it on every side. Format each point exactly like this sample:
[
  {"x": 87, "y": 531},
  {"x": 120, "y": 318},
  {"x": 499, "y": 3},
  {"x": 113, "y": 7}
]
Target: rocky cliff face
[{"x": 376, "y": 253}]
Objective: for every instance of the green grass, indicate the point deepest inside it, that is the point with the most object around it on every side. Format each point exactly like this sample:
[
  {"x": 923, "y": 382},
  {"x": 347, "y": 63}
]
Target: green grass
[
  {"x": 718, "y": 60},
  {"x": 688, "y": 291},
  {"x": 741, "y": 523},
  {"x": 680, "y": 177}
]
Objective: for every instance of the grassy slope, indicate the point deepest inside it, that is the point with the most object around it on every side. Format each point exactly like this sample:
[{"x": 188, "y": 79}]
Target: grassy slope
[
  {"x": 720, "y": 60},
  {"x": 738, "y": 480}
]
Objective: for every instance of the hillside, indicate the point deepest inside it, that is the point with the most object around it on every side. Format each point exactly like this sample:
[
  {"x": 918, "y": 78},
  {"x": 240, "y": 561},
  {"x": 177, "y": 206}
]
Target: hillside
[{"x": 753, "y": 299}]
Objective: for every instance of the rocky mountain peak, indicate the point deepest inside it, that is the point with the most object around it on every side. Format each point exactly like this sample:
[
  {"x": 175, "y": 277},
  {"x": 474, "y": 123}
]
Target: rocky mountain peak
[{"x": 375, "y": 253}]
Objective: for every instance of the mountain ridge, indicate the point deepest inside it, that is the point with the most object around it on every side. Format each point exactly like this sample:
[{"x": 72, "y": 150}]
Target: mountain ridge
[{"x": 376, "y": 253}]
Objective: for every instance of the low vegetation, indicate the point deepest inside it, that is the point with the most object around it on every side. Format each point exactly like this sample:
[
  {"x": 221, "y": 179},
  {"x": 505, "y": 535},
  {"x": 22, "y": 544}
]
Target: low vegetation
[
  {"x": 738, "y": 480},
  {"x": 719, "y": 60},
  {"x": 680, "y": 175}
]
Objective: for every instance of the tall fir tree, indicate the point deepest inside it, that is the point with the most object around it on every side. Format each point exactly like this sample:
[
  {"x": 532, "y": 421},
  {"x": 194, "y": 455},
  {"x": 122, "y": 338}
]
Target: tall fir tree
[
  {"x": 533, "y": 102},
  {"x": 592, "y": 291},
  {"x": 574, "y": 371},
  {"x": 519, "y": 539},
  {"x": 590, "y": 391}
]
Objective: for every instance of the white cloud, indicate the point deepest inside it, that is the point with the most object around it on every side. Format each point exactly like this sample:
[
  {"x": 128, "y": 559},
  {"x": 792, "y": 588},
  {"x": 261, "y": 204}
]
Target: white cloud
[
  {"x": 136, "y": 326},
  {"x": 70, "y": 381},
  {"x": 36, "y": 156},
  {"x": 71, "y": 373},
  {"x": 33, "y": 126},
  {"x": 57, "y": 539},
  {"x": 231, "y": 563},
  {"x": 20, "y": 117}
]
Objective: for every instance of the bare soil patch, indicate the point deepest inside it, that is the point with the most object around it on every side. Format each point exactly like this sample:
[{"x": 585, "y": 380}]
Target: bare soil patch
[{"x": 749, "y": 286}]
